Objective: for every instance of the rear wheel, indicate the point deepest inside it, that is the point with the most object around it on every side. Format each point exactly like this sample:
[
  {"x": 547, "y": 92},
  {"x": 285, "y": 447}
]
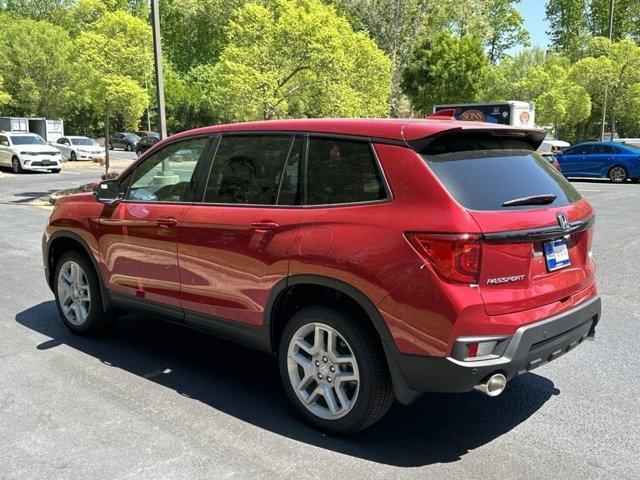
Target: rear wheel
[
  {"x": 618, "y": 174},
  {"x": 129, "y": 147},
  {"x": 55, "y": 170},
  {"x": 15, "y": 164},
  {"x": 333, "y": 371},
  {"x": 78, "y": 297}
]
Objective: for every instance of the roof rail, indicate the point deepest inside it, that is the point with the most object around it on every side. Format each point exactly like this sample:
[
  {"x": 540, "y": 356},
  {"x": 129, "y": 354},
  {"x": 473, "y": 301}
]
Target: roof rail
[{"x": 444, "y": 114}]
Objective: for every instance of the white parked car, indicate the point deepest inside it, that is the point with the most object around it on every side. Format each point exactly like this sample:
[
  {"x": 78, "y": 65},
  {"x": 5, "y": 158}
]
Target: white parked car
[
  {"x": 78, "y": 148},
  {"x": 551, "y": 145},
  {"x": 28, "y": 151}
]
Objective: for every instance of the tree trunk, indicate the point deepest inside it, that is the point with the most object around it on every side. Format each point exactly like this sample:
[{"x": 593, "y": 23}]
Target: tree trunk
[{"x": 106, "y": 144}]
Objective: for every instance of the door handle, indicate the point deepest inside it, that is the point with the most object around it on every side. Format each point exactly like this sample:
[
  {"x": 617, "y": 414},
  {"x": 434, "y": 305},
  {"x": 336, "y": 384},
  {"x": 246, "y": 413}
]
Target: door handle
[
  {"x": 166, "y": 222},
  {"x": 263, "y": 226}
]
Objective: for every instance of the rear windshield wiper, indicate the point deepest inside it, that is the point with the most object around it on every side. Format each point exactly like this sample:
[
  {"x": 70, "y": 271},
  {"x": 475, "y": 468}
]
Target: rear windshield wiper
[{"x": 532, "y": 200}]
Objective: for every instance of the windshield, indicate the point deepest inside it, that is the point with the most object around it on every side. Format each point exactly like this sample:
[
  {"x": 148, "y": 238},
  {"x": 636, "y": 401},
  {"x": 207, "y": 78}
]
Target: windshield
[
  {"x": 82, "y": 141},
  {"x": 489, "y": 179},
  {"x": 27, "y": 140}
]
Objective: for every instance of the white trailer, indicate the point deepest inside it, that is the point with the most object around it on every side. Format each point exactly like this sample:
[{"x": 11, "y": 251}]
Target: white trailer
[
  {"x": 512, "y": 112},
  {"x": 14, "y": 124},
  {"x": 50, "y": 130}
]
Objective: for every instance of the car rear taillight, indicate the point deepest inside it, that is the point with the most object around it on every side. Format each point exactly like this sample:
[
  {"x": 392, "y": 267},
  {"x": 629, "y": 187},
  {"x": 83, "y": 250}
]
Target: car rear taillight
[{"x": 455, "y": 257}]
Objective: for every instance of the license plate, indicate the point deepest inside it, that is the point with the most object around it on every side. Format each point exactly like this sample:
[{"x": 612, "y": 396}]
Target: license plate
[{"x": 556, "y": 253}]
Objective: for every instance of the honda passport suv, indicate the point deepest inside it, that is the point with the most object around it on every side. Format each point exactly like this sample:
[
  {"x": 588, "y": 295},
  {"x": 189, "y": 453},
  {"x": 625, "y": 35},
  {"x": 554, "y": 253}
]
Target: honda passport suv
[{"x": 377, "y": 259}]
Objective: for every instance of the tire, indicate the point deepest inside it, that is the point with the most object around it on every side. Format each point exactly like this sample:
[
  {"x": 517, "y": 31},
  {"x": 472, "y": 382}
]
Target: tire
[
  {"x": 139, "y": 152},
  {"x": 16, "y": 165},
  {"x": 129, "y": 147},
  {"x": 618, "y": 174},
  {"x": 56, "y": 170},
  {"x": 73, "y": 157},
  {"x": 71, "y": 288},
  {"x": 367, "y": 394}
]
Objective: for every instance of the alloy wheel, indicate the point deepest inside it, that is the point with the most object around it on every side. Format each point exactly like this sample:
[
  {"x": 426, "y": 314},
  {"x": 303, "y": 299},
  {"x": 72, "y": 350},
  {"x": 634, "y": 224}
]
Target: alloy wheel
[
  {"x": 73, "y": 293},
  {"x": 323, "y": 371},
  {"x": 617, "y": 174}
]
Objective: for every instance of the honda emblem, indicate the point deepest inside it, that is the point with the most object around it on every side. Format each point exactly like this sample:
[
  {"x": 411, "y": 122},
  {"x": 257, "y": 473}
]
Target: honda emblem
[{"x": 563, "y": 222}]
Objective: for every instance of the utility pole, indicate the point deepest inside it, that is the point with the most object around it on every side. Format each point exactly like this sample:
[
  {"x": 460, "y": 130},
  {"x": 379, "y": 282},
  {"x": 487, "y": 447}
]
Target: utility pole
[
  {"x": 157, "y": 53},
  {"x": 604, "y": 103}
]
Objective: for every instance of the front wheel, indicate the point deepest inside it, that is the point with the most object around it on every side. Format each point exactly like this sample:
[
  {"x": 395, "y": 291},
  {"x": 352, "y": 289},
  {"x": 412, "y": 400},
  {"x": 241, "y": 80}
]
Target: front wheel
[
  {"x": 78, "y": 297},
  {"x": 73, "y": 157},
  {"x": 16, "y": 165},
  {"x": 618, "y": 174},
  {"x": 333, "y": 371}
]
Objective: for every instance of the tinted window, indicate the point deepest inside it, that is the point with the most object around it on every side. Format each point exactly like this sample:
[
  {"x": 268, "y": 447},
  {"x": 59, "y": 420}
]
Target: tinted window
[
  {"x": 82, "y": 141},
  {"x": 251, "y": 170},
  {"x": 579, "y": 150},
  {"x": 484, "y": 180},
  {"x": 167, "y": 175},
  {"x": 341, "y": 171},
  {"x": 27, "y": 140},
  {"x": 602, "y": 149}
]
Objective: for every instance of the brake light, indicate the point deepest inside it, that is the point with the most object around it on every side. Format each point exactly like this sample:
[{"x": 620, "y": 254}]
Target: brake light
[{"x": 455, "y": 257}]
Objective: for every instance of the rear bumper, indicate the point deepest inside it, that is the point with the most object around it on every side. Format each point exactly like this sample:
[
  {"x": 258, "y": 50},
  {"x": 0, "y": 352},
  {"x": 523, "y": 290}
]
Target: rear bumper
[{"x": 529, "y": 347}]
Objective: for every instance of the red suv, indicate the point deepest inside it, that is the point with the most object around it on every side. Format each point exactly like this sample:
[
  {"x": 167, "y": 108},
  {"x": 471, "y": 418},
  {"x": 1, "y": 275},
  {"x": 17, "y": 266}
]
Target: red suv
[{"x": 377, "y": 258}]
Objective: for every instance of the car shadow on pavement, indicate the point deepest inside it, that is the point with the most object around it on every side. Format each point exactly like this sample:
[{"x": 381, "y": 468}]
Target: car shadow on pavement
[{"x": 245, "y": 384}]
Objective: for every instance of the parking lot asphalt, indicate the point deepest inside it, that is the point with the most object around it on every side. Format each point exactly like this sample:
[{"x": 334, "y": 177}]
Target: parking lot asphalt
[{"x": 154, "y": 400}]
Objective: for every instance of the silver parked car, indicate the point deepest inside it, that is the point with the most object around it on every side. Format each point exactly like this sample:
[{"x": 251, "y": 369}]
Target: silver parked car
[{"x": 79, "y": 148}]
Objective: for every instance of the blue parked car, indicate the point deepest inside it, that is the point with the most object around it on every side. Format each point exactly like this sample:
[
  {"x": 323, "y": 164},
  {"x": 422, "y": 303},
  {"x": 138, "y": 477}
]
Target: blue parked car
[{"x": 615, "y": 161}]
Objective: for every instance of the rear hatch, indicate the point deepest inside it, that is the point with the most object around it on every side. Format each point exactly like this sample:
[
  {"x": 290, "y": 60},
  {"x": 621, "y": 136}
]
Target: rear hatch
[{"x": 536, "y": 228}]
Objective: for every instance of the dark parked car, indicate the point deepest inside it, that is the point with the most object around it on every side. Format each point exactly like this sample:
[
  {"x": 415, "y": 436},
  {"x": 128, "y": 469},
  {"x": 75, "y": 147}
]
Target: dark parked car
[
  {"x": 377, "y": 259},
  {"x": 127, "y": 141},
  {"x": 145, "y": 144},
  {"x": 615, "y": 161},
  {"x": 147, "y": 133}
]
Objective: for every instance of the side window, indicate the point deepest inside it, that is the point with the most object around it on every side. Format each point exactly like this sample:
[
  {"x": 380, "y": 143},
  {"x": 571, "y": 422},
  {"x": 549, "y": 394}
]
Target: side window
[
  {"x": 253, "y": 169},
  {"x": 602, "y": 149},
  {"x": 4, "y": 141},
  {"x": 167, "y": 175},
  {"x": 61, "y": 140},
  {"x": 340, "y": 171},
  {"x": 581, "y": 150}
]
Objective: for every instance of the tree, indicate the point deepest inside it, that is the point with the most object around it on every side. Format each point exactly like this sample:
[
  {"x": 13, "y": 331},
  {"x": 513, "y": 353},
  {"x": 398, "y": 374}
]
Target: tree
[
  {"x": 393, "y": 25},
  {"x": 567, "y": 20},
  {"x": 298, "y": 58},
  {"x": 444, "y": 69},
  {"x": 35, "y": 67},
  {"x": 506, "y": 28},
  {"x": 205, "y": 21},
  {"x": 614, "y": 67}
]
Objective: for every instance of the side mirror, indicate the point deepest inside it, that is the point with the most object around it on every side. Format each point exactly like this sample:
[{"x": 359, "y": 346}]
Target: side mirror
[{"x": 108, "y": 192}]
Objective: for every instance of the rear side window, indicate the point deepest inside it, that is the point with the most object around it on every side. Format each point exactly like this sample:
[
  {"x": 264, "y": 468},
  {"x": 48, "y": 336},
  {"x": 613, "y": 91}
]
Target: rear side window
[
  {"x": 253, "y": 169},
  {"x": 485, "y": 180},
  {"x": 603, "y": 149},
  {"x": 342, "y": 171},
  {"x": 579, "y": 150}
]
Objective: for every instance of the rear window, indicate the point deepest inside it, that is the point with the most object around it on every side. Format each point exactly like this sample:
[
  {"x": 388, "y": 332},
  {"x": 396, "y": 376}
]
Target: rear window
[{"x": 486, "y": 179}]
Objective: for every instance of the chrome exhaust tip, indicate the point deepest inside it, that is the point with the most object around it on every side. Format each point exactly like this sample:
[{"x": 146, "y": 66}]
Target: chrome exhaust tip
[{"x": 493, "y": 386}]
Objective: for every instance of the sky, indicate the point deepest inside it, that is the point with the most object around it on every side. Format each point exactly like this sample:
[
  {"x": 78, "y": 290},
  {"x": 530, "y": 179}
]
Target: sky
[{"x": 533, "y": 12}]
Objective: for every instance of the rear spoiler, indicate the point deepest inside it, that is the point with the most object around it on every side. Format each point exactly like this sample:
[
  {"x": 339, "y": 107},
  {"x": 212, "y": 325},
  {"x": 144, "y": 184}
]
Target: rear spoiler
[{"x": 465, "y": 139}]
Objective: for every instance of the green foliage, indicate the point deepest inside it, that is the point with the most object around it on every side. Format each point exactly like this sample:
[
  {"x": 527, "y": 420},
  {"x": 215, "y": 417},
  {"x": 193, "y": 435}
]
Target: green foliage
[
  {"x": 298, "y": 58},
  {"x": 35, "y": 67},
  {"x": 194, "y": 31},
  {"x": 444, "y": 69}
]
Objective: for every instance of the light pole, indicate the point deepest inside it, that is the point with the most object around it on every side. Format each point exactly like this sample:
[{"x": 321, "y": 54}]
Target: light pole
[
  {"x": 157, "y": 53},
  {"x": 606, "y": 90}
]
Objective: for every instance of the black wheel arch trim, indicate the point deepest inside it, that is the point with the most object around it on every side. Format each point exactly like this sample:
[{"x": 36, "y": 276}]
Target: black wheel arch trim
[
  {"x": 403, "y": 393},
  {"x": 50, "y": 272}
]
